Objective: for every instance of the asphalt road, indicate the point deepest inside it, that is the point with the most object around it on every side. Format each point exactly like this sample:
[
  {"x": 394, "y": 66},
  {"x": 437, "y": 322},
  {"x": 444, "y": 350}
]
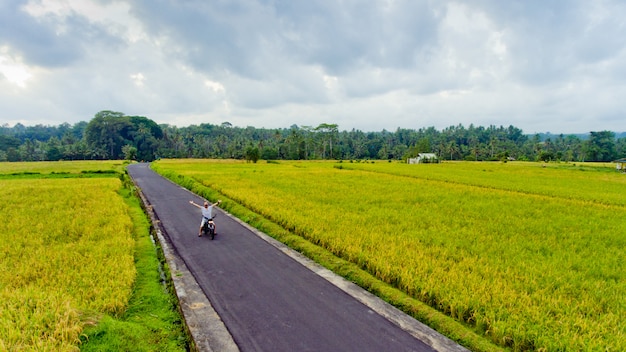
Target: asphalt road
[{"x": 267, "y": 300}]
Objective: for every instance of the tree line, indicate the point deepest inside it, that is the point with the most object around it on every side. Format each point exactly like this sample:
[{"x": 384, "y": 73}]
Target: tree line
[{"x": 114, "y": 135}]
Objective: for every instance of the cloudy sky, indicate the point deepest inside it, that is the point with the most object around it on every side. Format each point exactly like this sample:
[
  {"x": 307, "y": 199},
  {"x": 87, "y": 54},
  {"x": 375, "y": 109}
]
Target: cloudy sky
[{"x": 543, "y": 66}]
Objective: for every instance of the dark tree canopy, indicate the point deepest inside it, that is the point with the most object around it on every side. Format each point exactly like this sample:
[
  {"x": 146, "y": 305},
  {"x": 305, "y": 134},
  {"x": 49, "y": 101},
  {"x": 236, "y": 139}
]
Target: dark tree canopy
[
  {"x": 601, "y": 146},
  {"x": 109, "y": 131},
  {"x": 113, "y": 135}
]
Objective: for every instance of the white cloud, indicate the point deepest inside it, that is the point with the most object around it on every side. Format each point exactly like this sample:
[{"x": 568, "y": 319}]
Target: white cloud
[
  {"x": 216, "y": 87},
  {"x": 395, "y": 63},
  {"x": 138, "y": 79},
  {"x": 13, "y": 69}
]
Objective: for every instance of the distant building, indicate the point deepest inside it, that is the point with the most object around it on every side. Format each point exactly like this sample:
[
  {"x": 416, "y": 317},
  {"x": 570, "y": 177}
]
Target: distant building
[
  {"x": 620, "y": 164},
  {"x": 424, "y": 158}
]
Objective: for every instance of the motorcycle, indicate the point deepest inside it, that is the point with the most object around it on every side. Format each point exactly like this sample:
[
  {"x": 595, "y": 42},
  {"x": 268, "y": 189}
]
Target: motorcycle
[{"x": 209, "y": 228}]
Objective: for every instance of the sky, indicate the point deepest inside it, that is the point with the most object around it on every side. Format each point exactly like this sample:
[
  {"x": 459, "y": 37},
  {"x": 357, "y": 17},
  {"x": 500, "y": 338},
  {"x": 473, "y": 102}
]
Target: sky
[{"x": 543, "y": 66}]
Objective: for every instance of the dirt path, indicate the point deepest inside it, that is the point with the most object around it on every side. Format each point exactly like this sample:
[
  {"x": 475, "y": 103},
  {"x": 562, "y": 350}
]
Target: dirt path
[{"x": 269, "y": 298}]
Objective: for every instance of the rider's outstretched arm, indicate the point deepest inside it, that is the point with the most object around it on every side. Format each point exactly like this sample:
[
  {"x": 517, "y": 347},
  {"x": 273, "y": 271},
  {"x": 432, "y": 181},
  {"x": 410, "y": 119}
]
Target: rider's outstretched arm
[{"x": 200, "y": 206}]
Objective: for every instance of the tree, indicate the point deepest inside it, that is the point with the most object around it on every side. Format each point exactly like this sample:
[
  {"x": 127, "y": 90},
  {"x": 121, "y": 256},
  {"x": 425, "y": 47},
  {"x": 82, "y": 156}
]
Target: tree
[
  {"x": 7, "y": 142},
  {"x": 109, "y": 131},
  {"x": 269, "y": 153},
  {"x": 452, "y": 148},
  {"x": 252, "y": 154},
  {"x": 546, "y": 156},
  {"x": 144, "y": 141},
  {"x": 53, "y": 150},
  {"x": 620, "y": 148},
  {"x": 28, "y": 151},
  {"x": 601, "y": 146},
  {"x": 328, "y": 134},
  {"x": 13, "y": 155},
  {"x": 104, "y": 134},
  {"x": 130, "y": 152}
]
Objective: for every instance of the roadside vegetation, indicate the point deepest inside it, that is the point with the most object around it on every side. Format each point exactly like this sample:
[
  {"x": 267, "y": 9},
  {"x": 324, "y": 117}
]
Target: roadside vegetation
[
  {"x": 519, "y": 256},
  {"x": 78, "y": 269}
]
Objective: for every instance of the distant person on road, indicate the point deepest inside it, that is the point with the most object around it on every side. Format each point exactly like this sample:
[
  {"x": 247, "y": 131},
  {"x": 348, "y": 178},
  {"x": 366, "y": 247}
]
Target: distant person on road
[{"x": 207, "y": 212}]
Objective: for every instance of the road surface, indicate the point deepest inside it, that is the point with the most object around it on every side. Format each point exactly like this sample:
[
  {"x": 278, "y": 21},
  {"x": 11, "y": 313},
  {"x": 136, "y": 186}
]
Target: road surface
[{"x": 266, "y": 297}]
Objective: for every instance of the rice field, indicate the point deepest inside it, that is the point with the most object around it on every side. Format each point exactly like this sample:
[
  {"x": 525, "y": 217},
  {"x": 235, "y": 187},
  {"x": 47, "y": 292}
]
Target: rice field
[
  {"x": 530, "y": 257},
  {"x": 66, "y": 256},
  {"x": 63, "y": 167}
]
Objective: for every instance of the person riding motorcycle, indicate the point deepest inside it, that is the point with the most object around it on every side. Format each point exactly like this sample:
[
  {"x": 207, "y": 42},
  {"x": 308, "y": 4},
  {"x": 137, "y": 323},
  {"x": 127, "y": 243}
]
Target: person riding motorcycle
[{"x": 207, "y": 212}]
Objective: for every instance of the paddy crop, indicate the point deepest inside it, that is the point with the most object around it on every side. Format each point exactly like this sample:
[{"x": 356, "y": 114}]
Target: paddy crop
[
  {"x": 61, "y": 167},
  {"x": 597, "y": 182},
  {"x": 66, "y": 253},
  {"x": 78, "y": 266},
  {"x": 530, "y": 257}
]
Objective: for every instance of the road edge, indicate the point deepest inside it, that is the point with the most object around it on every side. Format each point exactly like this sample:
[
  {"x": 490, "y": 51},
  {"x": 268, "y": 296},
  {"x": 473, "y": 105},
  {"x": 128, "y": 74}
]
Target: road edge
[
  {"x": 409, "y": 324},
  {"x": 205, "y": 327}
]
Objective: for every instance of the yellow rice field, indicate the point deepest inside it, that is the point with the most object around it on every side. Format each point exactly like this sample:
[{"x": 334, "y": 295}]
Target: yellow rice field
[
  {"x": 530, "y": 257},
  {"x": 46, "y": 167},
  {"x": 66, "y": 256}
]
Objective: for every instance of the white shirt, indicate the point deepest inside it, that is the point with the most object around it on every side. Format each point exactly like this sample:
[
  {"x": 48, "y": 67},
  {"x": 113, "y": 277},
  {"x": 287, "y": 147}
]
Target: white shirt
[{"x": 207, "y": 212}]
